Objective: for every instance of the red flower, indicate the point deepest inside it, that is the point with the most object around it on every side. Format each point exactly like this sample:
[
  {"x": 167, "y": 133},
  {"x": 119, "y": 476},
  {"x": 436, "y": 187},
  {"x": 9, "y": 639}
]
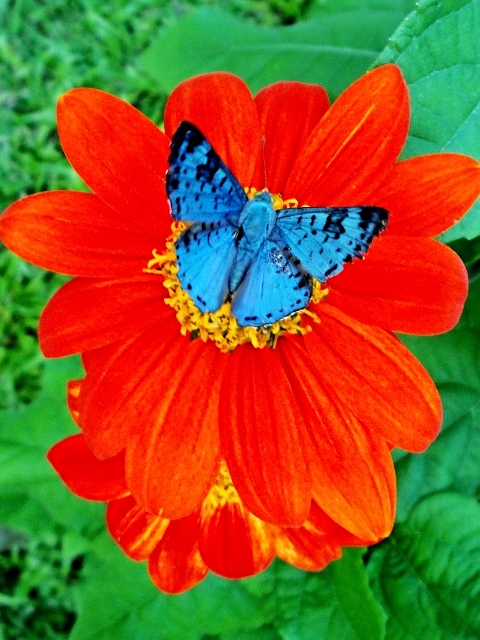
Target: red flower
[
  {"x": 222, "y": 535},
  {"x": 312, "y": 417}
]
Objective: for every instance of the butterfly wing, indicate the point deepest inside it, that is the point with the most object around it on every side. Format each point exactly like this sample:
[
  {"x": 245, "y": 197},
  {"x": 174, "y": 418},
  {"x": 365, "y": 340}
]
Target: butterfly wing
[
  {"x": 273, "y": 288},
  {"x": 205, "y": 254},
  {"x": 324, "y": 239},
  {"x": 200, "y": 187}
]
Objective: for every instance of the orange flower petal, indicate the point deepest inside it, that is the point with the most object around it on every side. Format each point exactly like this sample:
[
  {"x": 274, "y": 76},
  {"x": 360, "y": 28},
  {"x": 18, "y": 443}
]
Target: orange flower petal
[
  {"x": 172, "y": 459},
  {"x": 176, "y": 564},
  {"x": 411, "y": 285},
  {"x": 304, "y": 549},
  {"x": 320, "y": 522},
  {"x": 135, "y": 530},
  {"x": 222, "y": 107},
  {"x": 73, "y": 393},
  {"x": 85, "y": 475},
  {"x": 89, "y": 313},
  {"x": 233, "y": 542},
  {"x": 260, "y": 426},
  {"x": 119, "y": 153},
  {"x": 125, "y": 386},
  {"x": 428, "y": 194},
  {"x": 288, "y": 112},
  {"x": 88, "y": 357},
  {"x": 74, "y": 233},
  {"x": 373, "y": 374},
  {"x": 353, "y": 479},
  {"x": 352, "y": 149}
]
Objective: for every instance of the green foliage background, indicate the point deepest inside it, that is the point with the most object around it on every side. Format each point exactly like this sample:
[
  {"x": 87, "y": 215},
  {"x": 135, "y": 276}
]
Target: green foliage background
[{"x": 60, "y": 574}]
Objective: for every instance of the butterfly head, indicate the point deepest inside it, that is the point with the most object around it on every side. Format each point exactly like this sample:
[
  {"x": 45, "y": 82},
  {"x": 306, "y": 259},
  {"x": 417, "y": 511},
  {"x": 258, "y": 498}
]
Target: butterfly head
[{"x": 263, "y": 196}]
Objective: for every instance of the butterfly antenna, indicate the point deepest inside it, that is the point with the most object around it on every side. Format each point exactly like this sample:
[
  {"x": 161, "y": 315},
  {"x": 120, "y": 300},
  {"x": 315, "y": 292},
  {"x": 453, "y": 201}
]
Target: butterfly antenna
[{"x": 264, "y": 163}]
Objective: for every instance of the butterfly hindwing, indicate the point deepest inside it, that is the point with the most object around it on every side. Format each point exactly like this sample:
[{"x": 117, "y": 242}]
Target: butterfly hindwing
[
  {"x": 324, "y": 239},
  {"x": 273, "y": 288},
  {"x": 205, "y": 255},
  {"x": 200, "y": 187}
]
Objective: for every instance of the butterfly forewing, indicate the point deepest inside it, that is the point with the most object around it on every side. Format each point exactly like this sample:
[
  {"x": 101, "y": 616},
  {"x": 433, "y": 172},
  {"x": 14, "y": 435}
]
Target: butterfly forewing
[
  {"x": 200, "y": 187},
  {"x": 205, "y": 255},
  {"x": 272, "y": 288},
  {"x": 323, "y": 239}
]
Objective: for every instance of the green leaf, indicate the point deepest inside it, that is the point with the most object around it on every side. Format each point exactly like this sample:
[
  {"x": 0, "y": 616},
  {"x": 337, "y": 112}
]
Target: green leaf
[
  {"x": 365, "y": 615},
  {"x": 119, "y": 602},
  {"x": 27, "y": 479},
  {"x": 282, "y": 602},
  {"x": 471, "y": 313},
  {"x": 438, "y": 49},
  {"x": 332, "y": 49},
  {"x": 453, "y": 460},
  {"x": 469, "y": 252},
  {"x": 334, "y": 603},
  {"x": 430, "y": 575}
]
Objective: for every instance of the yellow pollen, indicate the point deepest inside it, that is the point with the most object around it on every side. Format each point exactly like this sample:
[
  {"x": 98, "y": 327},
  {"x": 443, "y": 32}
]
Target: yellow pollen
[
  {"x": 221, "y": 326},
  {"x": 223, "y": 492}
]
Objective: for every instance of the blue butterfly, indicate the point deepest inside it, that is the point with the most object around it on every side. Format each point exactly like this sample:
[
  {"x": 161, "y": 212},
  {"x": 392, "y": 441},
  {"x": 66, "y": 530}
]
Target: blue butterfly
[{"x": 243, "y": 250}]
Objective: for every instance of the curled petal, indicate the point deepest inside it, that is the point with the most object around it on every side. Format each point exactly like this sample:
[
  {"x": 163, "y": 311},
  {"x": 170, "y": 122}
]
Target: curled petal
[
  {"x": 304, "y": 549},
  {"x": 411, "y": 285},
  {"x": 119, "y": 153},
  {"x": 427, "y": 195},
  {"x": 260, "y": 429},
  {"x": 233, "y": 542},
  {"x": 222, "y": 107},
  {"x": 354, "y": 146},
  {"x": 373, "y": 374},
  {"x": 73, "y": 393},
  {"x": 76, "y": 234},
  {"x": 176, "y": 564},
  {"x": 85, "y": 475},
  {"x": 321, "y": 523},
  {"x": 288, "y": 112},
  {"x": 135, "y": 530},
  {"x": 88, "y": 313}
]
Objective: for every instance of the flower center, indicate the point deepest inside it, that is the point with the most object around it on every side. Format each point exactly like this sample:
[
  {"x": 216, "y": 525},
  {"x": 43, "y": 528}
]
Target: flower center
[{"x": 221, "y": 326}]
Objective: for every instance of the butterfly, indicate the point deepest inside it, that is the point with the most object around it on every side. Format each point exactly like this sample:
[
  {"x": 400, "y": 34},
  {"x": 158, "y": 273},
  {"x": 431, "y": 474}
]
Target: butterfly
[{"x": 242, "y": 250}]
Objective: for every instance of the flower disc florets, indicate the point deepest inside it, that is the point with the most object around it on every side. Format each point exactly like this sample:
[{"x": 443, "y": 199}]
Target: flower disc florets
[{"x": 221, "y": 326}]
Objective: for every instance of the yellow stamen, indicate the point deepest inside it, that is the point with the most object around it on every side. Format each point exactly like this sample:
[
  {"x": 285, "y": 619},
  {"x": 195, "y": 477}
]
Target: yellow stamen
[
  {"x": 223, "y": 492},
  {"x": 221, "y": 326}
]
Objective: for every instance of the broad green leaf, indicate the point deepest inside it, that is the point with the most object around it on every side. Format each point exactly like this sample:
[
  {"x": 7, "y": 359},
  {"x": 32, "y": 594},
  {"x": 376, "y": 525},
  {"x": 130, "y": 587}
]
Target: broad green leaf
[
  {"x": 438, "y": 49},
  {"x": 281, "y": 603},
  {"x": 355, "y": 598},
  {"x": 471, "y": 313},
  {"x": 430, "y": 576},
  {"x": 469, "y": 251},
  {"x": 332, "y": 49},
  {"x": 31, "y": 494},
  {"x": 326, "y": 605},
  {"x": 265, "y": 633},
  {"x": 453, "y": 460},
  {"x": 119, "y": 602},
  {"x": 399, "y": 8}
]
